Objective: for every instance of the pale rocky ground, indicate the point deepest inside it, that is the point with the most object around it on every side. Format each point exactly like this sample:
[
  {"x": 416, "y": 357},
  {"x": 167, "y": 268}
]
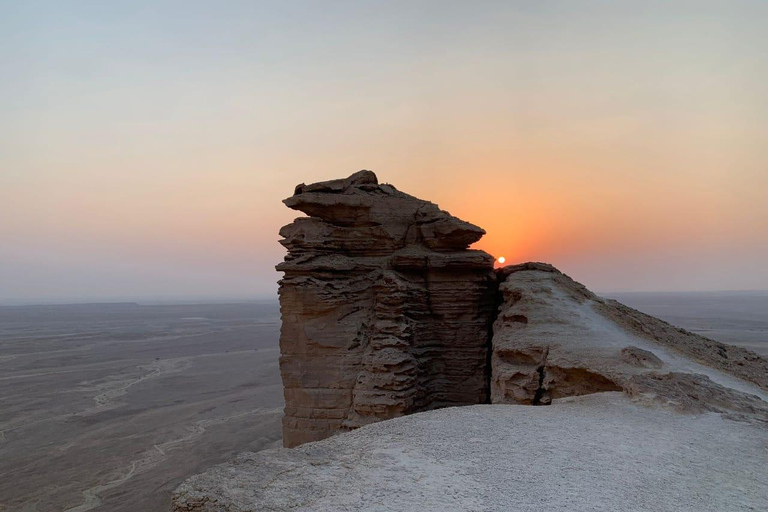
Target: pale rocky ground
[{"x": 599, "y": 452}]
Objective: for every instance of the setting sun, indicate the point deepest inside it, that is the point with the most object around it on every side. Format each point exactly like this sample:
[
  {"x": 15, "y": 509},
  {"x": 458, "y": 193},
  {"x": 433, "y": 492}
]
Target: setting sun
[{"x": 502, "y": 259}]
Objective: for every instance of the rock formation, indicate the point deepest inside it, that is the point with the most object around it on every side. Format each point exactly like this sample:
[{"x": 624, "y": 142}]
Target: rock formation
[
  {"x": 385, "y": 310},
  {"x": 553, "y": 338}
]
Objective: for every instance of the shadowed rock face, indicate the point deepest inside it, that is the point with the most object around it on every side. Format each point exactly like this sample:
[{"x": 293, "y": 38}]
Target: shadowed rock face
[{"x": 385, "y": 310}]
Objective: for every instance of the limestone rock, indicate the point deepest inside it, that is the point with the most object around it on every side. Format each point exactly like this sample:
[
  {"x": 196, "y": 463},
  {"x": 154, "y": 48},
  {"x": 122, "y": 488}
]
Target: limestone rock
[
  {"x": 639, "y": 357},
  {"x": 553, "y": 338},
  {"x": 385, "y": 310},
  {"x": 697, "y": 393}
]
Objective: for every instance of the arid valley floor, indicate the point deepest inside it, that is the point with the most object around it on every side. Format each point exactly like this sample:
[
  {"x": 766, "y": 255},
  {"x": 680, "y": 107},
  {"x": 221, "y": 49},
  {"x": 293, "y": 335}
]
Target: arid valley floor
[{"x": 108, "y": 407}]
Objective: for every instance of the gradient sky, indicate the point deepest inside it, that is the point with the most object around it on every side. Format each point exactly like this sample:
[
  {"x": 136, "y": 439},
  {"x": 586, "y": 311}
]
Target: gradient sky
[{"x": 145, "y": 146}]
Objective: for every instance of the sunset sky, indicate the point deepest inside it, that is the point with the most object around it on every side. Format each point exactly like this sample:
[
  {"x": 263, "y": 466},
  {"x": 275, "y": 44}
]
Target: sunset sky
[{"x": 145, "y": 146}]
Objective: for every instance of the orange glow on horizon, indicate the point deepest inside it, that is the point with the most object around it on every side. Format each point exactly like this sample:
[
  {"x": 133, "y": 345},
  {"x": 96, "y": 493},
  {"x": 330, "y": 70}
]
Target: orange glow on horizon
[{"x": 535, "y": 127}]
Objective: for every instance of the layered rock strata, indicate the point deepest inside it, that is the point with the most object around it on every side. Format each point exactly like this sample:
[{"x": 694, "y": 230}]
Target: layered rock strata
[{"x": 385, "y": 310}]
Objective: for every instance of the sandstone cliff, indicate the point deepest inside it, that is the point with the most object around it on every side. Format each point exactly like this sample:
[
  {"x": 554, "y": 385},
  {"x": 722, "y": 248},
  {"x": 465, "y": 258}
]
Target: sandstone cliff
[{"x": 385, "y": 310}]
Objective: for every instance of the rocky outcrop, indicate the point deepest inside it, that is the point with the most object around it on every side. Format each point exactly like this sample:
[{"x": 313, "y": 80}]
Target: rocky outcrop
[
  {"x": 385, "y": 310},
  {"x": 553, "y": 338}
]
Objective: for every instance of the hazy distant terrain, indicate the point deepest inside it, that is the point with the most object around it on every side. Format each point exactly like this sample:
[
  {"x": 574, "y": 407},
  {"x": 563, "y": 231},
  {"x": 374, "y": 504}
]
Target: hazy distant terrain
[
  {"x": 120, "y": 402},
  {"x": 739, "y": 318},
  {"x": 107, "y": 407}
]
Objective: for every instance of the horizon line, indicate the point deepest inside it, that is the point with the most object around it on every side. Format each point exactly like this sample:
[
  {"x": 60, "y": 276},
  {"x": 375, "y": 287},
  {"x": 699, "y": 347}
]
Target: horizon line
[{"x": 241, "y": 299}]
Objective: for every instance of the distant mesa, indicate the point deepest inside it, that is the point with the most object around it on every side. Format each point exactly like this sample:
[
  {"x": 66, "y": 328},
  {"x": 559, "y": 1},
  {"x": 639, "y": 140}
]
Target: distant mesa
[{"x": 387, "y": 312}]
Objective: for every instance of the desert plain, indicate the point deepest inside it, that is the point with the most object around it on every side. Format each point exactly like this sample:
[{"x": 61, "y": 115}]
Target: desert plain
[{"x": 108, "y": 407}]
